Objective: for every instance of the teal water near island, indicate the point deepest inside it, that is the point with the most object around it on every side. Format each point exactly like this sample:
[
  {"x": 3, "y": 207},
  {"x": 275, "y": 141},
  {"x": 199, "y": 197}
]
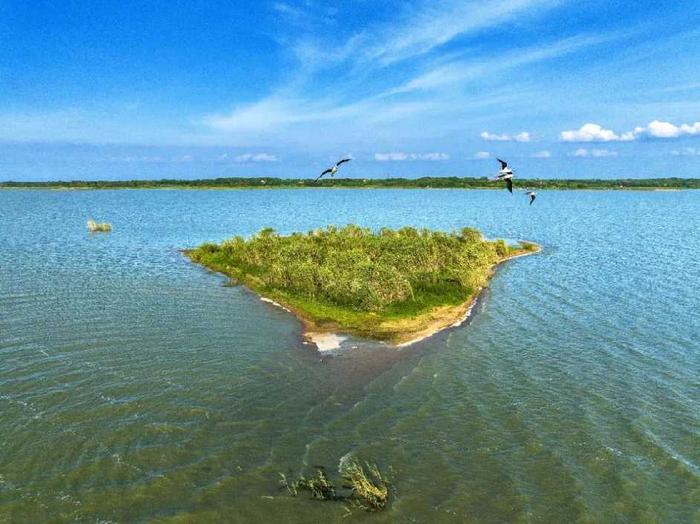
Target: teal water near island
[{"x": 137, "y": 387}]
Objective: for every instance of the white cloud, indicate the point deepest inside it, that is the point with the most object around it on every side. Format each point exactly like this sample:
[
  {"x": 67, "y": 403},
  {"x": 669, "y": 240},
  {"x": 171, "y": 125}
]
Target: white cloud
[
  {"x": 597, "y": 153},
  {"x": 655, "y": 129},
  {"x": 255, "y": 157},
  {"x": 482, "y": 155},
  {"x": 659, "y": 129},
  {"x": 541, "y": 154},
  {"x": 399, "y": 156},
  {"x": 594, "y": 133},
  {"x": 493, "y": 137}
]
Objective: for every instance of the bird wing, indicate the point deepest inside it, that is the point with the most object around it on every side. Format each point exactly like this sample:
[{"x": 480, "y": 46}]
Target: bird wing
[
  {"x": 532, "y": 198},
  {"x": 324, "y": 173},
  {"x": 343, "y": 161},
  {"x": 509, "y": 184},
  {"x": 504, "y": 164}
]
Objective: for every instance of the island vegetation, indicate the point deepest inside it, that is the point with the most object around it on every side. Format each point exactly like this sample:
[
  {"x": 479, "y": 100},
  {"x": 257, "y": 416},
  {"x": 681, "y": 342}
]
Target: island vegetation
[
  {"x": 452, "y": 182},
  {"x": 391, "y": 285}
]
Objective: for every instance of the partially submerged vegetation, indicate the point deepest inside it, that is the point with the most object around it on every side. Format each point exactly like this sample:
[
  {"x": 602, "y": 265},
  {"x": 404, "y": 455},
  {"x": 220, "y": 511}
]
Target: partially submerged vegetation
[
  {"x": 368, "y": 183},
  {"x": 393, "y": 285},
  {"x": 98, "y": 227},
  {"x": 364, "y": 486}
]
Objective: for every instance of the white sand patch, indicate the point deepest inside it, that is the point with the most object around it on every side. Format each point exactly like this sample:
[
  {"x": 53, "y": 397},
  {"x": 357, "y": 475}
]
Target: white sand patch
[{"x": 325, "y": 341}]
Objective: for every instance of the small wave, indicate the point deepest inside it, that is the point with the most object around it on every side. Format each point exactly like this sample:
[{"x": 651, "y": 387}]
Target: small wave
[
  {"x": 345, "y": 460},
  {"x": 270, "y": 301}
]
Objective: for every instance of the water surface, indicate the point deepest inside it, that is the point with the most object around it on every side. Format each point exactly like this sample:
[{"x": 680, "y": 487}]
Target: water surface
[{"x": 135, "y": 386}]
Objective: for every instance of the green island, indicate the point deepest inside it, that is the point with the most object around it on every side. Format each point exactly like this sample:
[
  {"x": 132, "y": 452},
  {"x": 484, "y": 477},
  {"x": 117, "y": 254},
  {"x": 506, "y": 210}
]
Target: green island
[
  {"x": 452, "y": 182},
  {"x": 396, "y": 286}
]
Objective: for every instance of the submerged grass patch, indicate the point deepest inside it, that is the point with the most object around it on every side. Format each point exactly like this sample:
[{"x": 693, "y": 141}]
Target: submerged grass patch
[
  {"x": 389, "y": 284},
  {"x": 364, "y": 486},
  {"x": 98, "y": 227}
]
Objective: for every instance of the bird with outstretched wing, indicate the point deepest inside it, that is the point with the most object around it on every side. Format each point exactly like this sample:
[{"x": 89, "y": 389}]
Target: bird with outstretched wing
[{"x": 332, "y": 170}]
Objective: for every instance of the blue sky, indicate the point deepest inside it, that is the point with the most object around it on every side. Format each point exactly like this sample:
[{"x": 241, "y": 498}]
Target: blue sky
[{"x": 561, "y": 88}]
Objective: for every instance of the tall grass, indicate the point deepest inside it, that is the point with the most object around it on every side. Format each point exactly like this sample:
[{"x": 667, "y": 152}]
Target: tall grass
[{"x": 360, "y": 270}]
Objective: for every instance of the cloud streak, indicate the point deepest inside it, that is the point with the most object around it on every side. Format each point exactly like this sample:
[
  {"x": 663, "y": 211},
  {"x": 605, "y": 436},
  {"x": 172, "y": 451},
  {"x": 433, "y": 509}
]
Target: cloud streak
[
  {"x": 493, "y": 137},
  {"x": 596, "y": 153},
  {"x": 400, "y": 156}
]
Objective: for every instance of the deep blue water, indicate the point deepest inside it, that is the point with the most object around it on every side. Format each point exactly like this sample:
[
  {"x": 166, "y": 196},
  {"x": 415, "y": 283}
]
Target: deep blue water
[{"x": 136, "y": 386}]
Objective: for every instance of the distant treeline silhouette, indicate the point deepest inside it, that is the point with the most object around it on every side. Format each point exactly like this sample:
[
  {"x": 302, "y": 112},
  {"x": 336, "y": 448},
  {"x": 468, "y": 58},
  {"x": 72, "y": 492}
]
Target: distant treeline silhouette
[{"x": 404, "y": 183}]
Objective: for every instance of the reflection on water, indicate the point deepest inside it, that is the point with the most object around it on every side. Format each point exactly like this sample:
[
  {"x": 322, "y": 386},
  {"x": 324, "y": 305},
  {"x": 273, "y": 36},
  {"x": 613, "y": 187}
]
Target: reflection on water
[{"x": 136, "y": 386}]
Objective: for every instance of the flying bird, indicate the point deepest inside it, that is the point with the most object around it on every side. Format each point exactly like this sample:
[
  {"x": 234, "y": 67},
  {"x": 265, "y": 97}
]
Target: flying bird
[
  {"x": 505, "y": 170},
  {"x": 332, "y": 170},
  {"x": 505, "y": 174},
  {"x": 532, "y": 196}
]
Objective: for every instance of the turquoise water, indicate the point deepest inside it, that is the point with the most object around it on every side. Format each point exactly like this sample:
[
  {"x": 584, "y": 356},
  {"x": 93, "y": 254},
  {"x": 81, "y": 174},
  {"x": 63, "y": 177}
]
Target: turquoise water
[{"x": 137, "y": 387}]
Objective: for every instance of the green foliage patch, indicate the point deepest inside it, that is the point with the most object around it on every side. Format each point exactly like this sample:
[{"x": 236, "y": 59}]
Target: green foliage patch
[{"x": 356, "y": 278}]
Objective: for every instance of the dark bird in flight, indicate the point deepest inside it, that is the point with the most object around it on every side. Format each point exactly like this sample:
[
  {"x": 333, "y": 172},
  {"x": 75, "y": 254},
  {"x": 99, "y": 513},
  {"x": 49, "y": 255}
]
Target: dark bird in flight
[
  {"x": 332, "y": 170},
  {"x": 532, "y": 196},
  {"x": 505, "y": 174}
]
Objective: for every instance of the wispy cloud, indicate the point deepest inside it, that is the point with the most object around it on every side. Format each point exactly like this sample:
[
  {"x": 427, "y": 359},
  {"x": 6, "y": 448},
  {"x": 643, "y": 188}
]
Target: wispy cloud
[
  {"x": 400, "y": 156},
  {"x": 255, "y": 157},
  {"x": 337, "y": 73},
  {"x": 686, "y": 151},
  {"x": 596, "y": 153},
  {"x": 468, "y": 69},
  {"x": 541, "y": 154},
  {"x": 482, "y": 155},
  {"x": 437, "y": 23},
  {"x": 494, "y": 137}
]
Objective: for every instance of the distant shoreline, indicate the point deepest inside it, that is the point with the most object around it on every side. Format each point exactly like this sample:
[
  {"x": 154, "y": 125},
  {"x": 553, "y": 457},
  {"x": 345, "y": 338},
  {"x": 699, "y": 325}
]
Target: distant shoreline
[{"x": 627, "y": 184}]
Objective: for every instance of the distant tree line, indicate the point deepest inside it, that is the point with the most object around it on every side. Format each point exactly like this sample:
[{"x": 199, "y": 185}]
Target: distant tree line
[{"x": 403, "y": 183}]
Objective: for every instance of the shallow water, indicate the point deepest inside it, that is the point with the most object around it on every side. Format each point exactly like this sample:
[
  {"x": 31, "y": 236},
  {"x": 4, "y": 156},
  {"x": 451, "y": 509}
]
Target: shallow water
[{"x": 135, "y": 386}]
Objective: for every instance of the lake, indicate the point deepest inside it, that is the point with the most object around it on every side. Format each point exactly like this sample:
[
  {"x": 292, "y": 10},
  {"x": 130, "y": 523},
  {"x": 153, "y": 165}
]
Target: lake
[{"x": 136, "y": 386}]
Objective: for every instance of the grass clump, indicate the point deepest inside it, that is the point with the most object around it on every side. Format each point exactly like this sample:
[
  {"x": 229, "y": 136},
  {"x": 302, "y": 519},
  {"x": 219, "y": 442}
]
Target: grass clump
[
  {"x": 370, "y": 489},
  {"x": 320, "y": 487},
  {"x": 381, "y": 284},
  {"x": 98, "y": 227},
  {"x": 364, "y": 486}
]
